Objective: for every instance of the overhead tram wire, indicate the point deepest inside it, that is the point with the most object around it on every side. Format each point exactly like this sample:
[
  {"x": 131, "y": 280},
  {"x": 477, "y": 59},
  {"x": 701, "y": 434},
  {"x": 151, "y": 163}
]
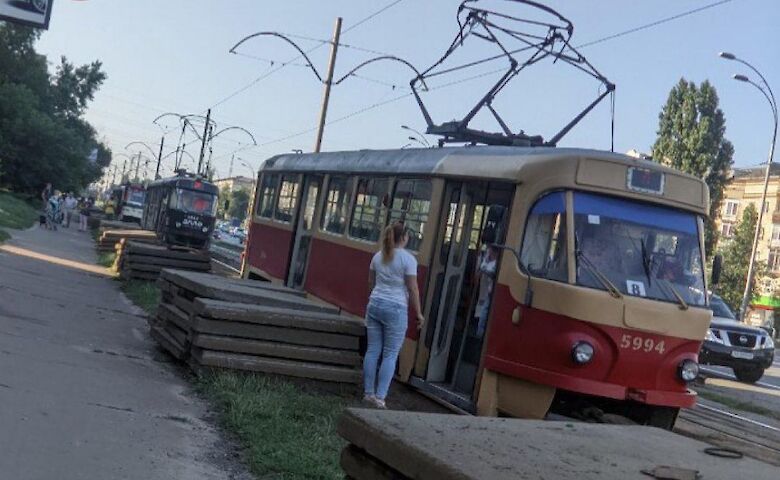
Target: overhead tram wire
[
  {"x": 484, "y": 74},
  {"x": 298, "y": 57}
]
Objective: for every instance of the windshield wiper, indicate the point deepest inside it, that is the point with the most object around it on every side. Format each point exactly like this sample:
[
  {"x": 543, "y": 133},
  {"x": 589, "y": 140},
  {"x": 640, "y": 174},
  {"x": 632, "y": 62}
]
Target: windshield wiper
[
  {"x": 647, "y": 262},
  {"x": 670, "y": 287},
  {"x": 609, "y": 286}
]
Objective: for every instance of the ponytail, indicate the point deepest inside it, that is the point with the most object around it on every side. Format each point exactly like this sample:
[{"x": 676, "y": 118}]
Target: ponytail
[{"x": 391, "y": 236}]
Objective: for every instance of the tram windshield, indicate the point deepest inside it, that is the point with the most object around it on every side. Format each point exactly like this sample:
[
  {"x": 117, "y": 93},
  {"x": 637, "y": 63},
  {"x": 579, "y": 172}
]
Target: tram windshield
[
  {"x": 136, "y": 196},
  {"x": 636, "y": 248},
  {"x": 190, "y": 201}
]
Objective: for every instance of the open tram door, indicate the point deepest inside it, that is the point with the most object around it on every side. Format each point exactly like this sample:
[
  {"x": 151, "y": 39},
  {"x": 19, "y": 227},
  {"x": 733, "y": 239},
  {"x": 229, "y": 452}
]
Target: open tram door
[
  {"x": 299, "y": 257},
  {"x": 463, "y": 269}
]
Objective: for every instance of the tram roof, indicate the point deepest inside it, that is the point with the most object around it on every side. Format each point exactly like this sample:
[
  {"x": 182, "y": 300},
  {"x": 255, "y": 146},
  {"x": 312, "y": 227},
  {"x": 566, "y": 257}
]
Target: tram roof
[
  {"x": 543, "y": 167},
  {"x": 187, "y": 182},
  {"x": 496, "y": 162}
]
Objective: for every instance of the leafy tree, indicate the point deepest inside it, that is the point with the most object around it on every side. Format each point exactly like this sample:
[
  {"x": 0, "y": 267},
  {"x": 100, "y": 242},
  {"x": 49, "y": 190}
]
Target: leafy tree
[
  {"x": 691, "y": 131},
  {"x": 239, "y": 203},
  {"x": 43, "y": 136},
  {"x": 736, "y": 259}
]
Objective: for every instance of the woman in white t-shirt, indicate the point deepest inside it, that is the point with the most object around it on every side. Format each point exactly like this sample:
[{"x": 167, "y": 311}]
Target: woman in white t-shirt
[{"x": 392, "y": 281}]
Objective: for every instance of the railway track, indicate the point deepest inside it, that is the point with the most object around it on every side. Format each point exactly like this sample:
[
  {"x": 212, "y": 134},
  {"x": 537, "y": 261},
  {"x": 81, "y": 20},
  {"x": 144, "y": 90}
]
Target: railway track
[{"x": 722, "y": 428}]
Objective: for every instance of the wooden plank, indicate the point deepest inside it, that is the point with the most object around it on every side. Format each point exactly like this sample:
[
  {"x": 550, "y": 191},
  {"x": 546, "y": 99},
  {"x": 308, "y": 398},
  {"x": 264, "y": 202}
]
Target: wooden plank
[
  {"x": 276, "y": 334},
  {"x": 277, "y": 366},
  {"x": 259, "y": 284},
  {"x": 131, "y": 264},
  {"x": 154, "y": 250},
  {"x": 279, "y": 350},
  {"x": 185, "y": 263},
  {"x": 175, "y": 315},
  {"x": 212, "y": 286},
  {"x": 167, "y": 342},
  {"x": 283, "y": 317}
]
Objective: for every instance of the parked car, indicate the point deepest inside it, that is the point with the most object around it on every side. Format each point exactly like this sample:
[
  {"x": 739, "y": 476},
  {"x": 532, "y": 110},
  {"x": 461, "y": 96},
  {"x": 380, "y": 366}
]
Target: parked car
[{"x": 745, "y": 349}]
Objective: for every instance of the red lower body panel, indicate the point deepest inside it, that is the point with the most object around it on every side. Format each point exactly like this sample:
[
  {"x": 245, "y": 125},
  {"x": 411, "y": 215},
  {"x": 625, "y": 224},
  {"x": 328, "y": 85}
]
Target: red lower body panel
[
  {"x": 627, "y": 365},
  {"x": 269, "y": 249}
]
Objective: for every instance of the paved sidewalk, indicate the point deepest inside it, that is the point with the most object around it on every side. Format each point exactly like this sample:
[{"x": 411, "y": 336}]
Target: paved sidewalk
[{"x": 84, "y": 392}]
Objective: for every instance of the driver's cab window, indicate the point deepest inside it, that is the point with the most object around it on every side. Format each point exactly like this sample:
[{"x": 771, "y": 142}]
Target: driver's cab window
[{"x": 544, "y": 242}]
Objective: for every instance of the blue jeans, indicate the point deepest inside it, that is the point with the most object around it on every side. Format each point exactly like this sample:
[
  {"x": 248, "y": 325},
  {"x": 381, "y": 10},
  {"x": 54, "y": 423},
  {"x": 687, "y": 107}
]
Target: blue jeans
[{"x": 385, "y": 331}]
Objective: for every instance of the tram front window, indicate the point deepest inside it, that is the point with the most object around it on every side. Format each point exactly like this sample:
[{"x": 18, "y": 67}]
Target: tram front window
[
  {"x": 190, "y": 201},
  {"x": 641, "y": 249},
  {"x": 136, "y": 197}
]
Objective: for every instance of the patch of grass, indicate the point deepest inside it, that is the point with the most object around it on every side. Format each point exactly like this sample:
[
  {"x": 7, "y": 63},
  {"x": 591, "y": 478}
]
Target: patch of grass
[
  {"x": 288, "y": 433},
  {"x": 146, "y": 295},
  {"x": 738, "y": 404},
  {"x": 106, "y": 259},
  {"x": 15, "y": 212}
]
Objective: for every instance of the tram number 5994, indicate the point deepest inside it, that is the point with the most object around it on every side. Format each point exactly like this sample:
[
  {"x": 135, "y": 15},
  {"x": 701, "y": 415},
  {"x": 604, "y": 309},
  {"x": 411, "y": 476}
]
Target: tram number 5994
[{"x": 637, "y": 343}]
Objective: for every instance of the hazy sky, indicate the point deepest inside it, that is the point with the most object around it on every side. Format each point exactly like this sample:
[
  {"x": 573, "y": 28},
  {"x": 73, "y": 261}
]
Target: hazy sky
[{"x": 172, "y": 56}]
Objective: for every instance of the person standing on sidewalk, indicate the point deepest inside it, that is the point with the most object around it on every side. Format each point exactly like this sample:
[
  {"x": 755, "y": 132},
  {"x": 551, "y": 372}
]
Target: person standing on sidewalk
[
  {"x": 70, "y": 208},
  {"x": 392, "y": 281},
  {"x": 84, "y": 206}
]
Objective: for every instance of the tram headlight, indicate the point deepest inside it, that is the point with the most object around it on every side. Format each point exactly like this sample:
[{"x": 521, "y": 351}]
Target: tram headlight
[
  {"x": 178, "y": 224},
  {"x": 688, "y": 370},
  {"x": 205, "y": 229},
  {"x": 582, "y": 353},
  {"x": 769, "y": 343}
]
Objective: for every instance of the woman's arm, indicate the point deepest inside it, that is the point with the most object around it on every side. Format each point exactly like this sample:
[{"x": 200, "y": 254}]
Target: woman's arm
[
  {"x": 371, "y": 281},
  {"x": 414, "y": 295}
]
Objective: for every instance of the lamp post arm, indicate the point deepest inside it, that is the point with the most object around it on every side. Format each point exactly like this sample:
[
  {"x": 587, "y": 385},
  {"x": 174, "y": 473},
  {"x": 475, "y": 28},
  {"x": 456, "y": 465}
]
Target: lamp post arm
[{"x": 766, "y": 84}]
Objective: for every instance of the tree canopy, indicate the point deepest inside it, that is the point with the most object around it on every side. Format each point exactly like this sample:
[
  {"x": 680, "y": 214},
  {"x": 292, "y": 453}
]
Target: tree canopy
[
  {"x": 736, "y": 259},
  {"x": 691, "y": 138},
  {"x": 43, "y": 135}
]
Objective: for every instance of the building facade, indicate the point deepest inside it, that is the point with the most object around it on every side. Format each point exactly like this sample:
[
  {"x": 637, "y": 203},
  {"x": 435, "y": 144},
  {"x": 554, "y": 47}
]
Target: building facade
[
  {"x": 746, "y": 187},
  {"x": 235, "y": 183}
]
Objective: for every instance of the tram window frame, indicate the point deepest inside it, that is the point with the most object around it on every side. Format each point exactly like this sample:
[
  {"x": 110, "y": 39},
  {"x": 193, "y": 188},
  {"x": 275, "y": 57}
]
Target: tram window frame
[
  {"x": 555, "y": 240},
  {"x": 379, "y": 212},
  {"x": 336, "y": 204},
  {"x": 270, "y": 181},
  {"x": 415, "y": 219},
  {"x": 289, "y": 196}
]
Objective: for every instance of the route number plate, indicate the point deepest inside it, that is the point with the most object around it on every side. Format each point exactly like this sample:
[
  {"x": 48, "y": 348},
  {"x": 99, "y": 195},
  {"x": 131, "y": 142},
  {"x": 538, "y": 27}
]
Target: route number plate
[{"x": 742, "y": 355}]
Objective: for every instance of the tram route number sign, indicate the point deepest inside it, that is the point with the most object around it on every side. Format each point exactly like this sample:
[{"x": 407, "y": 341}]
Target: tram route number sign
[
  {"x": 645, "y": 180},
  {"x": 644, "y": 344},
  {"x": 34, "y": 13}
]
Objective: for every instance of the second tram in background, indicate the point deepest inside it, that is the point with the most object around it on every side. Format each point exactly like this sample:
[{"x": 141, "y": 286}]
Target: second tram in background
[
  {"x": 597, "y": 300},
  {"x": 182, "y": 210}
]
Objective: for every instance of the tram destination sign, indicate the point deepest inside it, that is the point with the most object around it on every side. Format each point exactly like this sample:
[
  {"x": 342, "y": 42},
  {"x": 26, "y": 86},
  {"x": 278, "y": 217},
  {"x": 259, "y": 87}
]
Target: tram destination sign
[
  {"x": 34, "y": 13},
  {"x": 645, "y": 180}
]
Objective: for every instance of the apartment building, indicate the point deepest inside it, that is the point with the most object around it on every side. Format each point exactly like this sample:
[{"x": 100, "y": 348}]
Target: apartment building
[{"x": 234, "y": 183}]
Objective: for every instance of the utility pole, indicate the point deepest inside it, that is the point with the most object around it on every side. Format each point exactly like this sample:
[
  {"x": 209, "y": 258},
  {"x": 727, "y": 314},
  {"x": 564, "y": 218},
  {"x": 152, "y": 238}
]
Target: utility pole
[
  {"x": 113, "y": 175},
  {"x": 203, "y": 140},
  {"x": 230, "y": 170},
  {"x": 334, "y": 47},
  {"x": 181, "y": 138},
  {"x": 124, "y": 167},
  {"x": 137, "y": 165},
  {"x": 159, "y": 158}
]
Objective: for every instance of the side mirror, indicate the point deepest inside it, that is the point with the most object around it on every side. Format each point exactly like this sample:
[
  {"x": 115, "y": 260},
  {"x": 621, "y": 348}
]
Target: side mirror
[{"x": 717, "y": 267}]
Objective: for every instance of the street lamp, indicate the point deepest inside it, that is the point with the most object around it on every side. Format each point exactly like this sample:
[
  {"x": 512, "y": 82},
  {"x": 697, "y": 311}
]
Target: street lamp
[{"x": 770, "y": 97}]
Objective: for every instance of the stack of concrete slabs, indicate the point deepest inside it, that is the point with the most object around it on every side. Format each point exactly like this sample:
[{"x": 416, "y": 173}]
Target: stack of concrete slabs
[
  {"x": 386, "y": 444},
  {"x": 231, "y": 323},
  {"x": 144, "y": 261}
]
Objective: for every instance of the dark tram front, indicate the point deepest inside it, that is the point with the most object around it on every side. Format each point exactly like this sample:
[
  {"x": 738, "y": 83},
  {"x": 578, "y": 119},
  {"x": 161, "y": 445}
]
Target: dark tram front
[{"x": 181, "y": 209}]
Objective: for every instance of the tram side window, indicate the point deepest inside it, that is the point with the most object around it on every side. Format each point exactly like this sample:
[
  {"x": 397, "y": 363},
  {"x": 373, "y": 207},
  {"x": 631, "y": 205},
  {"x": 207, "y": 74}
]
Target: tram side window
[
  {"x": 411, "y": 205},
  {"x": 544, "y": 242},
  {"x": 334, "y": 220},
  {"x": 368, "y": 215},
  {"x": 288, "y": 197},
  {"x": 266, "y": 194}
]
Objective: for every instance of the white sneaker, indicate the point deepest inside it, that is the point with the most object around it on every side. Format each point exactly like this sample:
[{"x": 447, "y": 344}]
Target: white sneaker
[{"x": 380, "y": 404}]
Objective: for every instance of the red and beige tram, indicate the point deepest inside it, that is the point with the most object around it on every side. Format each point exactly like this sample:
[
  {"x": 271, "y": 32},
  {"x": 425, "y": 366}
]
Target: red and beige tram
[{"x": 596, "y": 299}]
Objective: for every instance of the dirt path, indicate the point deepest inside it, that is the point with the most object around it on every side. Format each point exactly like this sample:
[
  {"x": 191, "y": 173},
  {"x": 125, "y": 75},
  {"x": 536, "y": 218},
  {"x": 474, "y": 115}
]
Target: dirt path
[{"x": 84, "y": 393}]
